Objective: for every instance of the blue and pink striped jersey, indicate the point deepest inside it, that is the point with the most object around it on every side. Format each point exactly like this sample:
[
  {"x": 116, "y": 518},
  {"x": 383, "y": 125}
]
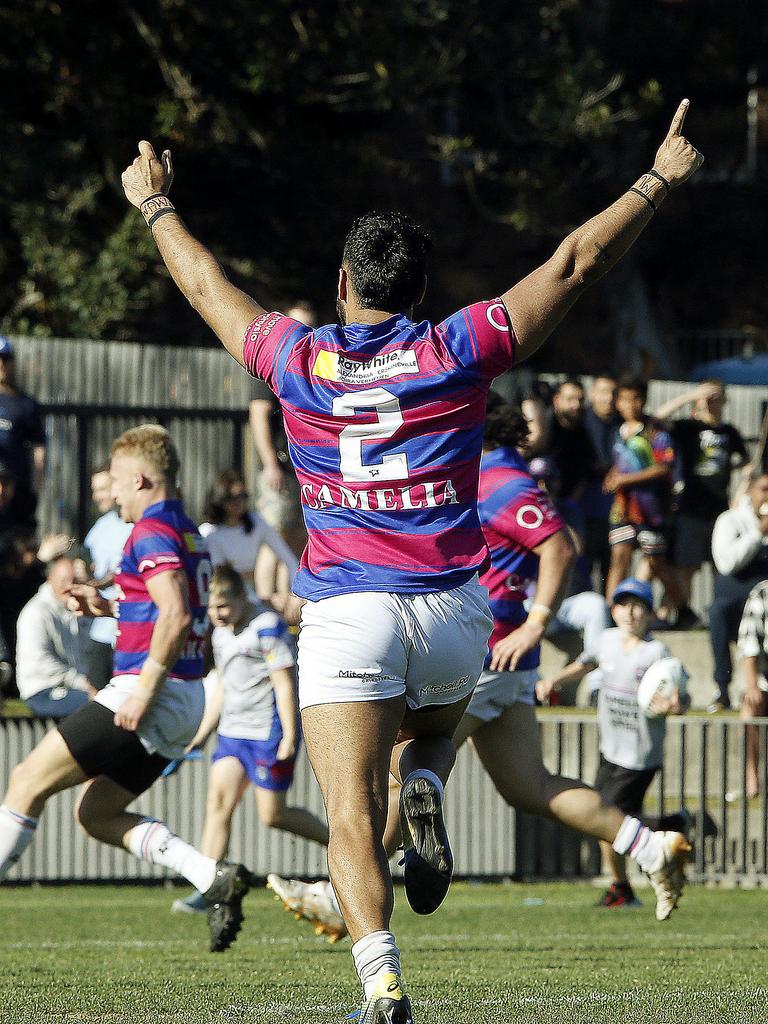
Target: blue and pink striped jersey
[
  {"x": 516, "y": 517},
  {"x": 164, "y": 540},
  {"x": 385, "y": 427}
]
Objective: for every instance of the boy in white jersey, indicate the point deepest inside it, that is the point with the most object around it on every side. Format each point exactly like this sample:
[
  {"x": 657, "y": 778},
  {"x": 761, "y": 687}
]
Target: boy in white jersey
[
  {"x": 631, "y": 743},
  {"x": 255, "y": 708}
]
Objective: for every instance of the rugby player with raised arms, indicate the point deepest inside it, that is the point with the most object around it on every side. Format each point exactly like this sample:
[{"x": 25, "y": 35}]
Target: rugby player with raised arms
[{"x": 384, "y": 418}]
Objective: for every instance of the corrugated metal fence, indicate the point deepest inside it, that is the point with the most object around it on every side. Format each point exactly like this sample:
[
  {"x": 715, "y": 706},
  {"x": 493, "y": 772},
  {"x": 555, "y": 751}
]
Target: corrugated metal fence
[{"x": 704, "y": 769}]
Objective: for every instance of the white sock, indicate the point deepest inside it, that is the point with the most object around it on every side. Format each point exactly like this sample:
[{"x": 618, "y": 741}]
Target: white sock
[
  {"x": 642, "y": 845},
  {"x": 153, "y": 841},
  {"x": 374, "y": 954},
  {"x": 16, "y": 833},
  {"x": 425, "y": 773}
]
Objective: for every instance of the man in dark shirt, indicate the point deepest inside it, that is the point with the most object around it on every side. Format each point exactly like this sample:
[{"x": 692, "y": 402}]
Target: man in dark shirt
[
  {"x": 570, "y": 448},
  {"x": 601, "y": 421},
  {"x": 22, "y": 440},
  {"x": 707, "y": 451}
]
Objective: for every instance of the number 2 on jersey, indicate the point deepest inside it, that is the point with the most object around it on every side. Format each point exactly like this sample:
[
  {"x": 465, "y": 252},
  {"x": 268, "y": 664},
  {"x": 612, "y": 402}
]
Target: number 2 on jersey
[{"x": 389, "y": 420}]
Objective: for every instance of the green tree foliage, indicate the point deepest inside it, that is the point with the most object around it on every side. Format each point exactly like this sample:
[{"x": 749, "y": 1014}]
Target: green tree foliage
[{"x": 499, "y": 124}]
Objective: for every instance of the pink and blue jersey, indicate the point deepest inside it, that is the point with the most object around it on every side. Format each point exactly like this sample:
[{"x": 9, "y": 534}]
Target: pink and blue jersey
[
  {"x": 516, "y": 517},
  {"x": 385, "y": 427},
  {"x": 164, "y": 540}
]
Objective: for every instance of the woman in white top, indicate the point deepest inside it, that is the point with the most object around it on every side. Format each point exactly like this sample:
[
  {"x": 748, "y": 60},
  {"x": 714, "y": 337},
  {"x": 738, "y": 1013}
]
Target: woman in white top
[{"x": 241, "y": 538}]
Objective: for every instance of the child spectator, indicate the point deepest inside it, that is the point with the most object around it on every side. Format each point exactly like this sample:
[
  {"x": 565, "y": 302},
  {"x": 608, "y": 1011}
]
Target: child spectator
[
  {"x": 256, "y": 711},
  {"x": 631, "y": 743},
  {"x": 641, "y": 483}
]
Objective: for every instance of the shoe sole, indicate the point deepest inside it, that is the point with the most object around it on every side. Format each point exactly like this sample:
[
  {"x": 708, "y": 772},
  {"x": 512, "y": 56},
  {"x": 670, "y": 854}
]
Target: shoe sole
[
  {"x": 427, "y": 857},
  {"x": 229, "y": 909},
  {"x": 293, "y": 906},
  {"x": 681, "y": 852},
  {"x": 385, "y": 1011}
]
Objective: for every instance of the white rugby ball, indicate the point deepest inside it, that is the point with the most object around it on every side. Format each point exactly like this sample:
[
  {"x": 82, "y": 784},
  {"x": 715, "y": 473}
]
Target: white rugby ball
[{"x": 663, "y": 677}]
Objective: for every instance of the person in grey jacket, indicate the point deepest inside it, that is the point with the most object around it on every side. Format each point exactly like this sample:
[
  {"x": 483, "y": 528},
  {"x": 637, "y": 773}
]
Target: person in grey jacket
[
  {"x": 740, "y": 554},
  {"x": 50, "y": 661}
]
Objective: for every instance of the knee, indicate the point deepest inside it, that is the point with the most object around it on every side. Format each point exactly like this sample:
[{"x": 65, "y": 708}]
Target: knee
[
  {"x": 26, "y": 785},
  {"x": 86, "y": 815},
  {"x": 272, "y": 816}
]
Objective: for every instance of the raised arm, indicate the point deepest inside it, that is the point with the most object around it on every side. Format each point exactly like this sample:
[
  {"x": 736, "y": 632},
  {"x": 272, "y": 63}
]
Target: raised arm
[
  {"x": 540, "y": 301},
  {"x": 226, "y": 309}
]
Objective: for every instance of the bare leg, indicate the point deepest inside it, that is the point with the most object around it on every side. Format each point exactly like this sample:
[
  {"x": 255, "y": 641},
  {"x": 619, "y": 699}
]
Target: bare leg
[
  {"x": 226, "y": 785},
  {"x": 615, "y": 864},
  {"x": 354, "y": 789},
  {"x": 751, "y": 774},
  {"x": 662, "y": 570},
  {"x": 49, "y": 769},
  {"x": 510, "y": 751},
  {"x": 274, "y": 812},
  {"x": 621, "y": 558}
]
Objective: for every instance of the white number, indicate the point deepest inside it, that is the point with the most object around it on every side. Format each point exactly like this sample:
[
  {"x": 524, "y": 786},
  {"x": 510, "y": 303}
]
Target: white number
[
  {"x": 389, "y": 420},
  {"x": 203, "y": 581}
]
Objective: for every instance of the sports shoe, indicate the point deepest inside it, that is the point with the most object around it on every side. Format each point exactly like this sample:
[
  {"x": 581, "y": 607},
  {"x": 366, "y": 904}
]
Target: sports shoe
[
  {"x": 193, "y": 904},
  {"x": 224, "y": 900},
  {"x": 427, "y": 853},
  {"x": 312, "y": 902},
  {"x": 388, "y": 1003},
  {"x": 619, "y": 895},
  {"x": 668, "y": 878}
]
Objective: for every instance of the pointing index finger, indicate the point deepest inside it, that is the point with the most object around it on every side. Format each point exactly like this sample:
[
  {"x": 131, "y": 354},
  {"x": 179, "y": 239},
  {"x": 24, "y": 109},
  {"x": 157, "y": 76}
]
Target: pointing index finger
[
  {"x": 677, "y": 121},
  {"x": 146, "y": 150}
]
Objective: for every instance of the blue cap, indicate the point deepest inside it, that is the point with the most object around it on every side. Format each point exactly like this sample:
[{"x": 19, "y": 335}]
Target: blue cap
[
  {"x": 6, "y": 348},
  {"x": 634, "y": 588}
]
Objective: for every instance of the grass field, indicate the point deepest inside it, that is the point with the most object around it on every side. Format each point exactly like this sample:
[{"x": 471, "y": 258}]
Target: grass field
[{"x": 507, "y": 953}]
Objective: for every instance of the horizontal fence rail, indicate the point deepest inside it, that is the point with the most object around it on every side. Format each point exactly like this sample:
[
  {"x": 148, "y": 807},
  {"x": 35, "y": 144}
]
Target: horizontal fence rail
[{"x": 704, "y": 771}]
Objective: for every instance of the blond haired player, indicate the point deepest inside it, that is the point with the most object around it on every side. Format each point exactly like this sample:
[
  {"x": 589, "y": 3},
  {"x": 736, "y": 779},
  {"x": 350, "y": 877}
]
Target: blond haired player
[{"x": 120, "y": 742}]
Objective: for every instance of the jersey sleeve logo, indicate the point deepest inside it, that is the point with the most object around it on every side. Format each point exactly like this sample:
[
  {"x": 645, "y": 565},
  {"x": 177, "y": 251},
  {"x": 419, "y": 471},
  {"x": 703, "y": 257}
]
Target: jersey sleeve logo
[
  {"x": 529, "y": 516},
  {"x": 339, "y": 367},
  {"x": 497, "y": 316}
]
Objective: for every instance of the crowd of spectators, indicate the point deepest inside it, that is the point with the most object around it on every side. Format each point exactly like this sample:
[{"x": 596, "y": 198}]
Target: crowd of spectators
[{"x": 642, "y": 491}]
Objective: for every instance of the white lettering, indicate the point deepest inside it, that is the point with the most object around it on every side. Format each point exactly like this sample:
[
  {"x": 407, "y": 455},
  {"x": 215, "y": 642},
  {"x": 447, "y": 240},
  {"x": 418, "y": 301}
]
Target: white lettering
[
  {"x": 307, "y": 497},
  {"x": 385, "y": 499},
  {"x": 324, "y": 496},
  {"x": 449, "y": 494},
  {"x": 354, "y": 499},
  {"x": 407, "y": 496}
]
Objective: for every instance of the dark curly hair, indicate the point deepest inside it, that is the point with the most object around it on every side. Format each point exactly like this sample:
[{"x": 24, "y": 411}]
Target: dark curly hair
[
  {"x": 505, "y": 425},
  {"x": 214, "y": 499},
  {"x": 385, "y": 254}
]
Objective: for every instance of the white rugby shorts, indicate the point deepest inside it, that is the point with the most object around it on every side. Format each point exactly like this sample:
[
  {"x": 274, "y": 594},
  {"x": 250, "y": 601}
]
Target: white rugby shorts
[
  {"x": 373, "y": 646},
  {"x": 173, "y": 716},
  {"x": 496, "y": 691}
]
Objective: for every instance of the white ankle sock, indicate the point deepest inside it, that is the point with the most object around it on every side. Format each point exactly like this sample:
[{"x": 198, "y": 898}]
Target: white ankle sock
[
  {"x": 425, "y": 773},
  {"x": 637, "y": 840},
  {"x": 153, "y": 841},
  {"x": 374, "y": 954},
  {"x": 16, "y": 833}
]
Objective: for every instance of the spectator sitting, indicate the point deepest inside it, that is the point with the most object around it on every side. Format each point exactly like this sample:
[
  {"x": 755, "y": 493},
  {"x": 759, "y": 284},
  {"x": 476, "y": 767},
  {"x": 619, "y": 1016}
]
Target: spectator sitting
[
  {"x": 740, "y": 554},
  {"x": 50, "y": 670},
  {"x": 707, "y": 450},
  {"x": 602, "y": 423},
  {"x": 279, "y": 499},
  {"x": 22, "y": 440},
  {"x": 104, "y": 542},
  {"x": 641, "y": 483},
  {"x": 251, "y": 546}
]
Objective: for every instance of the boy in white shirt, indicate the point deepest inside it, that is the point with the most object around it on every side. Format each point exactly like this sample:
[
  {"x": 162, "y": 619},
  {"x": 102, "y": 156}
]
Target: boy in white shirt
[
  {"x": 631, "y": 743},
  {"x": 255, "y": 708}
]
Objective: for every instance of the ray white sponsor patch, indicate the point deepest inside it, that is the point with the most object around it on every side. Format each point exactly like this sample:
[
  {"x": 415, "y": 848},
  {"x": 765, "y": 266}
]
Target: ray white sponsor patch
[{"x": 340, "y": 367}]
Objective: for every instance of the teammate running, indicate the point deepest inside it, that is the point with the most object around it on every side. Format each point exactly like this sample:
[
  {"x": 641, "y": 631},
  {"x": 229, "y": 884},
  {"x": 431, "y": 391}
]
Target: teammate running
[
  {"x": 150, "y": 710},
  {"x": 384, "y": 421}
]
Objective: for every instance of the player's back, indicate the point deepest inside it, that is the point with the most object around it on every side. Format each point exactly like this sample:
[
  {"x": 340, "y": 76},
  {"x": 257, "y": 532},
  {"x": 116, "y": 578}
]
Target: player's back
[{"x": 384, "y": 424}]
